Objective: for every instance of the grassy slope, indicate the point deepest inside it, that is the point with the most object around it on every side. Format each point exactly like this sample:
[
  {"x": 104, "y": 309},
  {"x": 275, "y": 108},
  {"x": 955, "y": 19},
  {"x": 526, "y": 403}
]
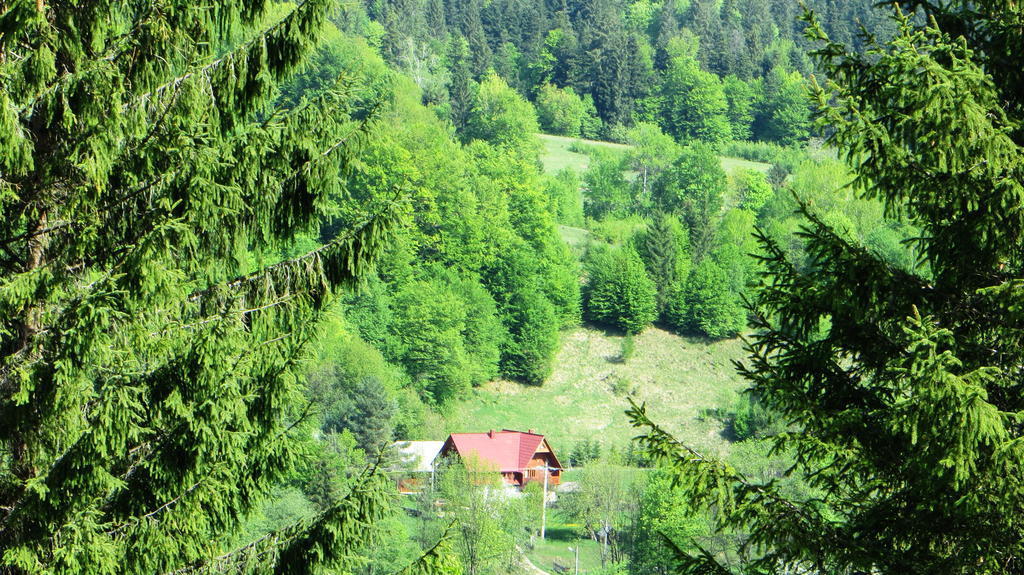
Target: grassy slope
[
  {"x": 677, "y": 377},
  {"x": 557, "y": 156}
]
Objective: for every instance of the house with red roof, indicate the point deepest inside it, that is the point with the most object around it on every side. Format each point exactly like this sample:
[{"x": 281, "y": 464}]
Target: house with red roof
[{"x": 520, "y": 456}]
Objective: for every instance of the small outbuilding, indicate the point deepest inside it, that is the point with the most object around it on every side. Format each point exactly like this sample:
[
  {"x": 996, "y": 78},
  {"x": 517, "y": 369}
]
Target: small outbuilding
[{"x": 415, "y": 464}]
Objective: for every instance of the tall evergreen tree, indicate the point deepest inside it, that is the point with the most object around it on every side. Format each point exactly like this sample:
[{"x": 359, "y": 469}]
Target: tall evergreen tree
[
  {"x": 460, "y": 85},
  {"x": 147, "y": 364},
  {"x": 619, "y": 294},
  {"x": 702, "y": 18},
  {"x": 604, "y": 41},
  {"x": 667, "y": 28},
  {"x": 665, "y": 250},
  {"x": 901, "y": 387}
]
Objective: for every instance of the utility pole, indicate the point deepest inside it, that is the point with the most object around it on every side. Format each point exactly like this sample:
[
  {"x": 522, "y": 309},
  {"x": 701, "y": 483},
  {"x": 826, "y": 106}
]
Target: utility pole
[
  {"x": 576, "y": 551},
  {"x": 544, "y": 505}
]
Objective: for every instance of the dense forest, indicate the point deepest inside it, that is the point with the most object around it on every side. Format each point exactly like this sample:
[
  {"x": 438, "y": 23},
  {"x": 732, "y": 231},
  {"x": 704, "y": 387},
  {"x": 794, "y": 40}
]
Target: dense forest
[{"x": 246, "y": 246}]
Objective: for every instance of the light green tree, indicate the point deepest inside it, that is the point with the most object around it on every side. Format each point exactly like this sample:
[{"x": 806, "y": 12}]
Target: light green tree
[
  {"x": 752, "y": 189},
  {"x": 606, "y": 191},
  {"x": 478, "y": 505},
  {"x": 694, "y": 102},
  {"x": 603, "y": 504},
  {"x": 652, "y": 152},
  {"x": 560, "y": 111},
  {"x": 501, "y": 116}
]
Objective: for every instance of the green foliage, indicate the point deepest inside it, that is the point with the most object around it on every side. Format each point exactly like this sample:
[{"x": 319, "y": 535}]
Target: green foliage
[
  {"x": 564, "y": 190},
  {"x": 283, "y": 507},
  {"x": 561, "y": 285},
  {"x": 627, "y": 351},
  {"x": 652, "y": 152},
  {"x": 560, "y": 112},
  {"x": 752, "y": 189},
  {"x": 707, "y": 305},
  {"x": 783, "y": 114},
  {"x": 740, "y": 97},
  {"x": 602, "y": 504},
  {"x": 486, "y": 524},
  {"x": 898, "y": 382},
  {"x": 665, "y": 249},
  {"x": 329, "y": 471},
  {"x": 786, "y": 157},
  {"x": 431, "y": 322},
  {"x": 693, "y": 189},
  {"x": 501, "y": 116},
  {"x": 367, "y": 412},
  {"x": 618, "y": 231},
  {"x": 527, "y": 313},
  {"x": 607, "y": 193},
  {"x": 533, "y": 337},
  {"x": 694, "y": 103},
  {"x": 152, "y": 336},
  {"x": 664, "y": 521},
  {"x": 618, "y": 293},
  {"x": 751, "y": 419},
  {"x": 355, "y": 388}
]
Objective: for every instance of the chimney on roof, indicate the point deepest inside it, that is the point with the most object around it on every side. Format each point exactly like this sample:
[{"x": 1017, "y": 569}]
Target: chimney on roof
[
  {"x": 490, "y": 434},
  {"x": 530, "y": 431}
]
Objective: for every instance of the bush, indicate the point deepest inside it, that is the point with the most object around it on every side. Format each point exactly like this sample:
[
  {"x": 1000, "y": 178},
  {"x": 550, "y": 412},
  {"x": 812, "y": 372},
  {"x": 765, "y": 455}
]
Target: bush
[
  {"x": 565, "y": 194},
  {"x": 620, "y": 386},
  {"x": 751, "y": 419},
  {"x": 584, "y": 452}
]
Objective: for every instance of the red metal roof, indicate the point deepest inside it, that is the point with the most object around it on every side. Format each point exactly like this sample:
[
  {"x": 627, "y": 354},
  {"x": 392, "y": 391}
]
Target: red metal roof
[{"x": 508, "y": 450}]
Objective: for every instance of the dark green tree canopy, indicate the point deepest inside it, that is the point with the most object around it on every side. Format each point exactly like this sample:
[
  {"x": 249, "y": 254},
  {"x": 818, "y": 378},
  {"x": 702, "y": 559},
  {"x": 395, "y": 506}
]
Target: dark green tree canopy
[
  {"x": 148, "y": 364},
  {"x": 901, "y": 386}
]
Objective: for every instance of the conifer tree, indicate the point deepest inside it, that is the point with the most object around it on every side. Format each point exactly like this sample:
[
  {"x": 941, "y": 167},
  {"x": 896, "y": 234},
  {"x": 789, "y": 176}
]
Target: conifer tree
[
  {"x": 619, "y": 294},
  {"x": 667, "y": 28},
  {"x": 901, "y": 387},
  {"x": 665, "y": 250},
  {"x": 147, "y": 363}
]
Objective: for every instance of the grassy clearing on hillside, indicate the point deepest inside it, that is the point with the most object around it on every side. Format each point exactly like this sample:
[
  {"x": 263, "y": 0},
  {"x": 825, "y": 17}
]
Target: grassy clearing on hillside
[
  {"x": 733, "y": 165},
  {"x": 557, "y": 155},
  {"x": 585, "y": 398}
]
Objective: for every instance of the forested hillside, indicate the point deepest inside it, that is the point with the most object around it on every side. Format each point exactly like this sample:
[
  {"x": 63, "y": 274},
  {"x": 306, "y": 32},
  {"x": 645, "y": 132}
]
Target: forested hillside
[
  {"x": 702, "y": 69},
  {"x": 245, "y": 247}
]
